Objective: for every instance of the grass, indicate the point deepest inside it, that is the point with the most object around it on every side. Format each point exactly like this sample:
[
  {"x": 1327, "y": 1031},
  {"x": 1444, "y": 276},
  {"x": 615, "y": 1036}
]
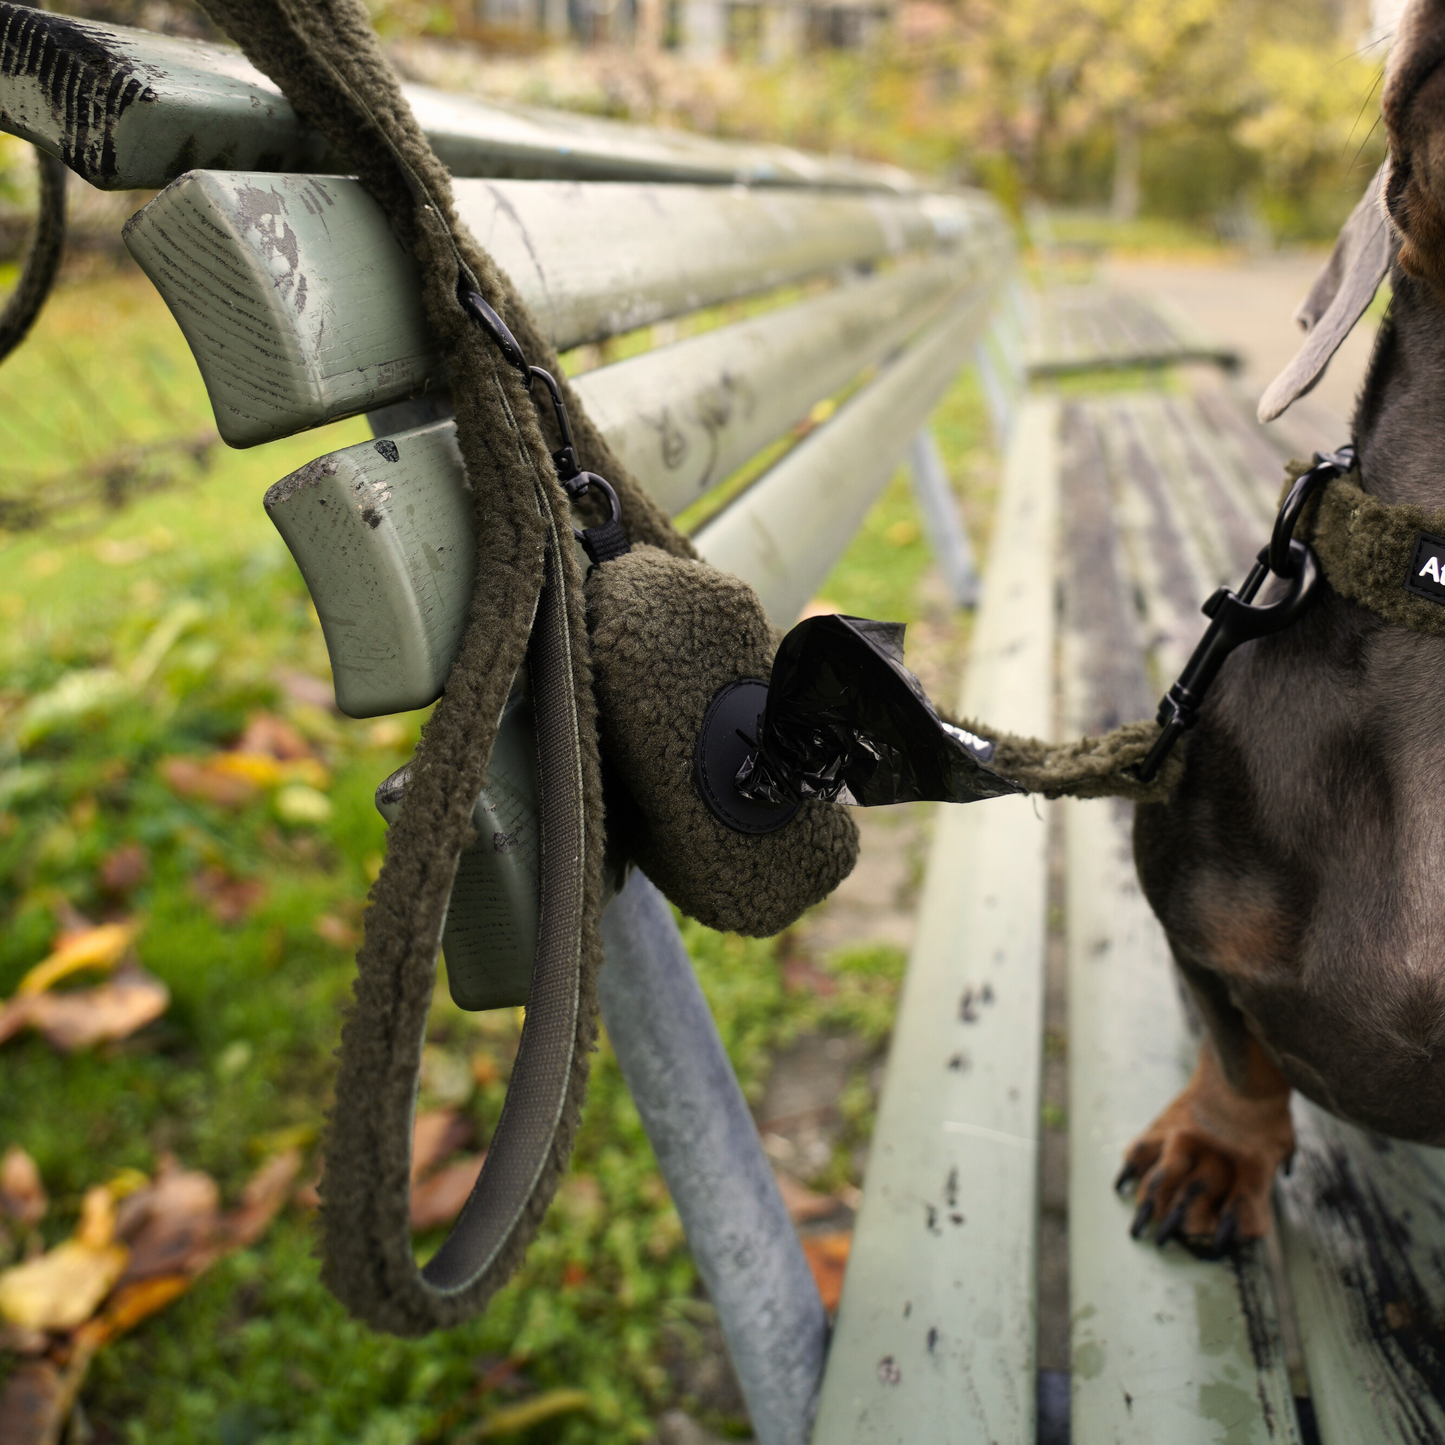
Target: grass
[{"x": 258, "y": 1351}]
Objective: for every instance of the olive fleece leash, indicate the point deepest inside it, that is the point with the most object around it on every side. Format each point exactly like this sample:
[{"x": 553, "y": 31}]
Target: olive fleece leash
[{"x": 325, "y": 57}]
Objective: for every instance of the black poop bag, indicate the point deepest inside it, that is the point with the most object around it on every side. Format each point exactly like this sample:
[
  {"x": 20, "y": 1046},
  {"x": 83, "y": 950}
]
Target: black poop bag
[{"x": 845, "y": 721}]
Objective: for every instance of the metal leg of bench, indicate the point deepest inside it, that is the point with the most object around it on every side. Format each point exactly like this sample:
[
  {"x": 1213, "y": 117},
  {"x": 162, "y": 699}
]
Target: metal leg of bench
[
  {"x": 707, "y": 1146},
  {"x": 940, "y": 519}
]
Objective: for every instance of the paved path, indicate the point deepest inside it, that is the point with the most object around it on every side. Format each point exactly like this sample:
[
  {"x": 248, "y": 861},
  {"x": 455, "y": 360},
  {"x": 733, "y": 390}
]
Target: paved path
[{"x": 1249, "y": 305}]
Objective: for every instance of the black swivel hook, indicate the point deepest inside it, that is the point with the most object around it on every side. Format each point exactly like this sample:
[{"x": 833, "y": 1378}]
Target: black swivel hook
[
  {"x": 1234, "y": 617},
  {"x": 606, "y": 540}
]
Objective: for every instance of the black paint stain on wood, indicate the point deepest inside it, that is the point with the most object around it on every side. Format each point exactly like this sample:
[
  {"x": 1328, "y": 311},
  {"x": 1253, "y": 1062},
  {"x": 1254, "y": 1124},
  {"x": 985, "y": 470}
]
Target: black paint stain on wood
[{"x": 89, "y": 86}]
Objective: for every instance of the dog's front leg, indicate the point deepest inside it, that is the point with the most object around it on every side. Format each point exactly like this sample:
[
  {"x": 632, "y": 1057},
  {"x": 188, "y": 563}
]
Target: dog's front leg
[{"x": 1204, "y": 1167}]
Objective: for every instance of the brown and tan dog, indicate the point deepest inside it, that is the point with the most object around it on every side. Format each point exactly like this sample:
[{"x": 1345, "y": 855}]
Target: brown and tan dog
[{"x": 1299, "y": 867}]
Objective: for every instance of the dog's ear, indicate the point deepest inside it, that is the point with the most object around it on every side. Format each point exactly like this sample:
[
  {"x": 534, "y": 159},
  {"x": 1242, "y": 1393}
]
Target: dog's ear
[
  {"x": 1340, "y": 296},
  {"x": 1412, "y": 105}
]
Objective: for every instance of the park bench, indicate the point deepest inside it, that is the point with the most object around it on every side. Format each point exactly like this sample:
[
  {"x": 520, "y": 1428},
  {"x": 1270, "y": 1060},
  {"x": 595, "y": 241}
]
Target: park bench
[{"x": 300, "y": 308}]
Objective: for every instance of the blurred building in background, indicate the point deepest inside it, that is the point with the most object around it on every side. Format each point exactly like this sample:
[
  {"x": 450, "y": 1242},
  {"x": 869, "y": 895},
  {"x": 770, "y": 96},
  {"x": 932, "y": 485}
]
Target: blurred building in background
[{"x": 764, "y": 30}]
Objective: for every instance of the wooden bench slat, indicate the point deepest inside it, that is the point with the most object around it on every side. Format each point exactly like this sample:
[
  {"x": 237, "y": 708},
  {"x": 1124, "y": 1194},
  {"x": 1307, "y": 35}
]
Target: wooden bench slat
[
  {"x": 300, "y": 306},
  {"x": 1091, "y": 328},
  {"x": 1363, "y": 1223},
  {"x": 684, "y": 416},
  {"x": 934, "y": 1342},
  {"x": 131, "y": 110},
  {"x": 382, "y": 531},
  {"x": 785, "y": 532},
  {"x": 1165, "y": 1346}
]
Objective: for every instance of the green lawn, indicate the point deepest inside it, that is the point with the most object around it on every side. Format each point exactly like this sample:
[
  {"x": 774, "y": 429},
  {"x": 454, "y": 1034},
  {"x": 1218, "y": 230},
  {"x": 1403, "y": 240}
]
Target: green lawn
[{"x": 240, "y": 1064}]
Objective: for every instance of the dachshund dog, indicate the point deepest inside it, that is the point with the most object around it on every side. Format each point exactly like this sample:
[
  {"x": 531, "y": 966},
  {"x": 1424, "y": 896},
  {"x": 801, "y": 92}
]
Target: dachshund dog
[{"x": 1297, "y": 868}]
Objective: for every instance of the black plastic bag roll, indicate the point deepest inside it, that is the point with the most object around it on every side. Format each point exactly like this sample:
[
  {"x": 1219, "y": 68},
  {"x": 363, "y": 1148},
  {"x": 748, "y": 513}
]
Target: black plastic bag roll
[{"x": 845, "y": 721}]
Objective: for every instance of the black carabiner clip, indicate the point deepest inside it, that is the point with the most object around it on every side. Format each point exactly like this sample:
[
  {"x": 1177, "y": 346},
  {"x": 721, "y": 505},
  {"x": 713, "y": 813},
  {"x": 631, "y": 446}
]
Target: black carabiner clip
[
  {"x": 1235, "y": 618},
  {"x": 606, "y": 540}
]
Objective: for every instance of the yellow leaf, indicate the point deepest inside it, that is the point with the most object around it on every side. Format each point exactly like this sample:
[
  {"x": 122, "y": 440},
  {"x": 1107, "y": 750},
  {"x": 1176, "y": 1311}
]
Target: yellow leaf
[
  {"x": 99, "y": 947},
  {"x": 62, "y": 1288}
]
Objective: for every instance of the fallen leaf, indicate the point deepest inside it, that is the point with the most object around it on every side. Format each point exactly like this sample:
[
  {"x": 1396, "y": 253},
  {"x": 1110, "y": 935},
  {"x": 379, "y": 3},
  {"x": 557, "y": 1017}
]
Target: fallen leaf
[
  {"x": 438, "y": 1199},
  {"x": 802, "y": 1203},
  {"x": 22, "y": 1195},
  {"x": 61, "y": 1288},
  {"x": 87, "y": 1016},
  {"x": 274, "y": 737},
  {"x": 335, "y": 930},
  {"x": 191, "y": 778},
  {"x": 124, "y": 868},
  {"x": 20, "y": 1341},
  {"x": 39, "y": 1397},
  {"x": 31, "y": 1407},
  {"x": 262, "y": 1198},
  {"x": 437, "y": 1134},
  {"x": 303, "y": 688},
  {"x": 303, "y": 805},
  {"x": 171, "y": 1224},
  {"x": 99, "y": 947},
  {"x": 230, "y": 900},
  {"x": 132, "y": 1303},
  {"x": 827, "y": 1256},
  {"x": 446, "y": 1076}
]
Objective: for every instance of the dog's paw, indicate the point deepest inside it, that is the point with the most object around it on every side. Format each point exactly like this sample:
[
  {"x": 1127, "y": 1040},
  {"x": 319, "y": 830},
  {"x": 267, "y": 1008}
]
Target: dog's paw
[{"x": 1203, "y": 1169}]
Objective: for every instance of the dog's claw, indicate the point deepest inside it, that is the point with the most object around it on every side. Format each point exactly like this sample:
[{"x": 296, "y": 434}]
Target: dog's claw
[
  {"x": 1175, "y": 1218},
  {"x": 1224, "y": 1235},
  {"x": 1127, "y": 1175},
  {"x": 1142, "y": 1216}
]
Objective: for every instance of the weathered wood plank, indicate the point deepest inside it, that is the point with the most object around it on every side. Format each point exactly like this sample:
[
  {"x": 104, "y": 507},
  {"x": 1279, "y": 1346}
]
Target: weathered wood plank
[
  {"x": 1090, "y": 328},
  {"x": 784, "y": 534},
  {"x": 383, "y": 533},
  {"x": 686, "y": 415},
  {"x": 1165, "y": 1347},
  {"x": 934, "y": 1342},
  {"x": 1363, "y": 1221},
  {"x": 300, "y": 306},
  {"x": 131, "y": 110}
]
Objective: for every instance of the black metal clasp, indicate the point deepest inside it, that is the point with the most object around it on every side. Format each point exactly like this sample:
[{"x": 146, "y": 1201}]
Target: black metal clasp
[
  {"x": 606, "y": 540},
  {"x": 1236, "y": 618}
]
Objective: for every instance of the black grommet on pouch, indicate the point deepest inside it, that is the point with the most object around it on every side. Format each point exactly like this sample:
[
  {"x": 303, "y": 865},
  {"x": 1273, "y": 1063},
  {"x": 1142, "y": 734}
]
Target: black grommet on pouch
[{"x": 727, "y": 740}]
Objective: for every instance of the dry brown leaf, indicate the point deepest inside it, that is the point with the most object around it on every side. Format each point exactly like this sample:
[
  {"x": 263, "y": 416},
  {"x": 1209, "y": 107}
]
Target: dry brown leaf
[
  {"x": 827, "y": 1256},
  {"x": 271, "y": 736},
  {"x": 171, "y": 1224},
  {"x": 124, "y": 868},
  {"x": 61, "y": 1288},
  {"x": 438, "y": 1199},
  {"x": 262, "y": 1198},
  {"x": 87, "y": 1016},
  {"x": 335, "y": 930},
  {"x": 193, "y": 778},
  {"x": 22, "y": 1195},
  {"x": 20, "y": 1341},
  {"x": 437, "y": 1134},
  {"x": 802, "y": 1203},
  {"x": 34, "y": 1404},
  {"x": 230, "y": 900}
]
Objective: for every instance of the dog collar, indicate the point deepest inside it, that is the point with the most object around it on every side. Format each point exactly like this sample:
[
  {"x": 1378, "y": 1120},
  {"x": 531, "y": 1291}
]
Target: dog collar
[{"x": 1387, "y": 557}]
